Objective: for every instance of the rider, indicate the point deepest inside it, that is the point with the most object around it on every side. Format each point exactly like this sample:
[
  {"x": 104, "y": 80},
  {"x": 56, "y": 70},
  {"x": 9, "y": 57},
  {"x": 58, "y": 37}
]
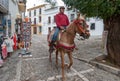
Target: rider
[{"x": 61, "y": 21}]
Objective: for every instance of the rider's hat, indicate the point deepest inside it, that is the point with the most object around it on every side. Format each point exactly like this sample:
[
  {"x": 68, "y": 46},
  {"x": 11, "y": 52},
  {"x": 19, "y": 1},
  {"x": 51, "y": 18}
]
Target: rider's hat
[{"x": 62, "y": 7}]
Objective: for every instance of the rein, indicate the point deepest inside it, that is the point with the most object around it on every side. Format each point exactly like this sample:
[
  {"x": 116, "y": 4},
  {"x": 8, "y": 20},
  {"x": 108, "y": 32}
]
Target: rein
[{"x": 80, "y": 27}]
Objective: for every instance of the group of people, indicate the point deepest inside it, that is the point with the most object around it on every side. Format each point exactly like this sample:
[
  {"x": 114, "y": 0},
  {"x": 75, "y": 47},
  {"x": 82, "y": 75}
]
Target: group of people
[{"x": 7, "y": 46}]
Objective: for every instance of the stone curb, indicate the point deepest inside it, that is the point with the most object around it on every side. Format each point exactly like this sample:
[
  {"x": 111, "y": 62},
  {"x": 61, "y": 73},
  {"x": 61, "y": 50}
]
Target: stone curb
[{"x": 104, "y": 67}]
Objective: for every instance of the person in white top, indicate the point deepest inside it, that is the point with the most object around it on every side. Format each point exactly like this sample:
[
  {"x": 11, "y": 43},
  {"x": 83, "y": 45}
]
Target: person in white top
[{"x": 9, "y": 44}]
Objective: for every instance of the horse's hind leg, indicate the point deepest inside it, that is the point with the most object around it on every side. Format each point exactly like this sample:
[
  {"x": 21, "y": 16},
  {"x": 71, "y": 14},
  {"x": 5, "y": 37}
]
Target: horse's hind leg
[
  {"x": 50, "y": 57},
  {"x": 56, "y": 57},
  {"x": 70, "y": 59}
]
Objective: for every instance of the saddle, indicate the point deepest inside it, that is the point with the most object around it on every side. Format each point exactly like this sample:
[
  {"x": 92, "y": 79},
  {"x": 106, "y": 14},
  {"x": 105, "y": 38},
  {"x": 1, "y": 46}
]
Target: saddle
[{"x": 50, "y": 36}]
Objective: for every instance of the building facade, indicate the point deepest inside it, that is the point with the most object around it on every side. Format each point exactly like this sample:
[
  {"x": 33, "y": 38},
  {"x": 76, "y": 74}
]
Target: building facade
[
  {"x": 12, "y": 16},
  {"x": 96, "y": 26},
  {"x": 9, "y": 12},
  {"x": 48, "y": 22},
  {"x": 35, "y": 17},
  {"x": 48, "y": 19},
  {"x": 4, "y": 4}
]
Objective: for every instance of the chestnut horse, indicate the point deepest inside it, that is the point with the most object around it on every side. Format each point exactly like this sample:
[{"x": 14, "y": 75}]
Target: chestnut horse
[{"x": 65, "y": 44}]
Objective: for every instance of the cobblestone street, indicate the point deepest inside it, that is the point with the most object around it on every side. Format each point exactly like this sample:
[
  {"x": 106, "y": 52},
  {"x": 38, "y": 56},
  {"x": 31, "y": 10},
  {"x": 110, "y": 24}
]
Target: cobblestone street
[{"x": 38, "y": 67}]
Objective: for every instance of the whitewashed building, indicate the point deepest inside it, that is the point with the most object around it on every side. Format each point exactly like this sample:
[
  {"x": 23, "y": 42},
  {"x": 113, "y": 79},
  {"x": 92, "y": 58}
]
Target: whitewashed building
[
  {"x": 47, "y": 19},
  {"x": 12, "y": 15},
  {"x": 96, "y": 26}
]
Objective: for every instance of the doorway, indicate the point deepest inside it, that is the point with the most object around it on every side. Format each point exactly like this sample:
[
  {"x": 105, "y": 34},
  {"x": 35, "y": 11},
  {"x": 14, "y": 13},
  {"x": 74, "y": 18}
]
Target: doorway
[{"x": 34, "y": 30}]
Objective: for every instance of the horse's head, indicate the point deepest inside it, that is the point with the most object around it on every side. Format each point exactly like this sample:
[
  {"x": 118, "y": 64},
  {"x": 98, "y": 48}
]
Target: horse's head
[{"x": 81, "y": 27}]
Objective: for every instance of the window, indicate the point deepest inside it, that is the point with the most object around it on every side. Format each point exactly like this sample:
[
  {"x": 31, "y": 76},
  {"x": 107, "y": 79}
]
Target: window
[
  {"x": 34, "y": 12},
  {"x": 40, "y": 29},
  {"x": 49, "y": 20},
  {"x": 72, "y": 17},
  {"x": 54, "y": 27},
  {"x": 88, "y": 19},
  {"x": 54, "y": 19},
  {"x": 29, "y": 13},
  {"x": 34, "y": 20},
  {"x": 29, "y": 19},
  {"x": 39, "y": 10},
  {"x": 49, "y": 29},
  {"x": 39, "y": 18},
  {"x": 92, "y": 26}
]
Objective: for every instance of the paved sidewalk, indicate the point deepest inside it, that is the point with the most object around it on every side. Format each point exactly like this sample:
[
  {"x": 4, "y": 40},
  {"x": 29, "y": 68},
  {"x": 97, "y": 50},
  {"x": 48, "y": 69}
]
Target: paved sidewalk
[
  {"x": 88, "y": 49},
  {"x": 9, "y": 69},
  {"x": 38, "y": 67}
]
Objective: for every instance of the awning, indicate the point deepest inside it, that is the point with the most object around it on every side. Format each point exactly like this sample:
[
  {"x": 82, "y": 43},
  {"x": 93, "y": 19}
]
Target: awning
[{"x": 21, "y": 7}]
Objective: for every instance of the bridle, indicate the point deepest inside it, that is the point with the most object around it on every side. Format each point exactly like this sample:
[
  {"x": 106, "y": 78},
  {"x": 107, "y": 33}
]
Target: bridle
[
  {"x": 77, "y": 22},
  {"x": 83, "y": 31}
]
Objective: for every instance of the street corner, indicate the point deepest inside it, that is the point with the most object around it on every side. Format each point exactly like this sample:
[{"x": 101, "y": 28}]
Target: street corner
[{"x": 102, "y": 63}]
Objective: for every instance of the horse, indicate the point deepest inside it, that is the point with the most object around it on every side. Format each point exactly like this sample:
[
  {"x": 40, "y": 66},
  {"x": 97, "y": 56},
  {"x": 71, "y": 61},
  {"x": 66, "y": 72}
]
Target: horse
[{"x": 65, "y": 44}]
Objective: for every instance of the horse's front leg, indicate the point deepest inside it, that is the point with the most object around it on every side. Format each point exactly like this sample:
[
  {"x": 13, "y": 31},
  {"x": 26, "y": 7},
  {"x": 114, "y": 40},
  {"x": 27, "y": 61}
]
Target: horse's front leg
[
  {"x": 50, "y": 51},
  {"x": 70, "y": 59},
  {"x": 50, "y": 57},
  {"x": 62, "y": 62}
]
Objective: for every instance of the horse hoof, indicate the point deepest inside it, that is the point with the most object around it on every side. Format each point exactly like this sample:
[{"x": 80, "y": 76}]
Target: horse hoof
[
  {"x": 69, "y": 67},
  {"x": 66, "y": 65},
  {"x": 63, "y": 79},
  {"x": 76, "y": 48},
  {"x": 50, "y": 60}
]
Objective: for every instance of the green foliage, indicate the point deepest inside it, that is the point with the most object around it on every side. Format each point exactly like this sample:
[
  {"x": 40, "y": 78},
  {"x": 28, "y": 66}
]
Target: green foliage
[
  {"x": 24, "y": 1},
  {"x": 51, "y": 2},
  {"x": 99, "y": 8}
]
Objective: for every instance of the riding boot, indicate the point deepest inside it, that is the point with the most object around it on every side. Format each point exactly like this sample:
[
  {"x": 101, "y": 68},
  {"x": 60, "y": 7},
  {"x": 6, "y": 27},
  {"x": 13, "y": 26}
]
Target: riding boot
[{"x": 52, "y": 45}]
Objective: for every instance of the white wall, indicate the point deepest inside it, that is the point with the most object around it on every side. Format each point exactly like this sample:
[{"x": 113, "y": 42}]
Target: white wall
[
  {"x": 48, "y": 13},
  {"x": 98, "y": 26},
  {"x": 13, "y": 9}
]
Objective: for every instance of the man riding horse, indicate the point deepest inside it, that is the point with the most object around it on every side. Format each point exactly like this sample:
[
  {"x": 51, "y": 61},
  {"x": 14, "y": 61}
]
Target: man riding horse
[{"x": 62, "y": 22}]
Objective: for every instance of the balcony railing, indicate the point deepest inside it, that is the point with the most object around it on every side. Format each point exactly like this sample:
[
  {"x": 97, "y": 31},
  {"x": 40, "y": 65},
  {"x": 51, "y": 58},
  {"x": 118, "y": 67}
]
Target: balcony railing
[{"x": 4, "y": 5}]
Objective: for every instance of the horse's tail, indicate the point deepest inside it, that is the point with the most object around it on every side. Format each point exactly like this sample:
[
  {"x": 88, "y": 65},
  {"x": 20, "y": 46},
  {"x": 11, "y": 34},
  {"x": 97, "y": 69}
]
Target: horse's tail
[
  {"x": 50, "y": 35},
  {"x": 51, "y": 49},
  {"x": 49, "y": 39}
]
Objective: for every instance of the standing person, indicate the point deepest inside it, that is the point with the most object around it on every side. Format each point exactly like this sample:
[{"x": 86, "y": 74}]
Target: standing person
[
  {"x": 4, "y": 49},
  {"x": 14, "y": 37},
  {"x": 1, "y": 42},
  {"x": 61, "y": 21},
  {"x": 1, "y": 57},
  {"x": 9, "y": 44}
]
